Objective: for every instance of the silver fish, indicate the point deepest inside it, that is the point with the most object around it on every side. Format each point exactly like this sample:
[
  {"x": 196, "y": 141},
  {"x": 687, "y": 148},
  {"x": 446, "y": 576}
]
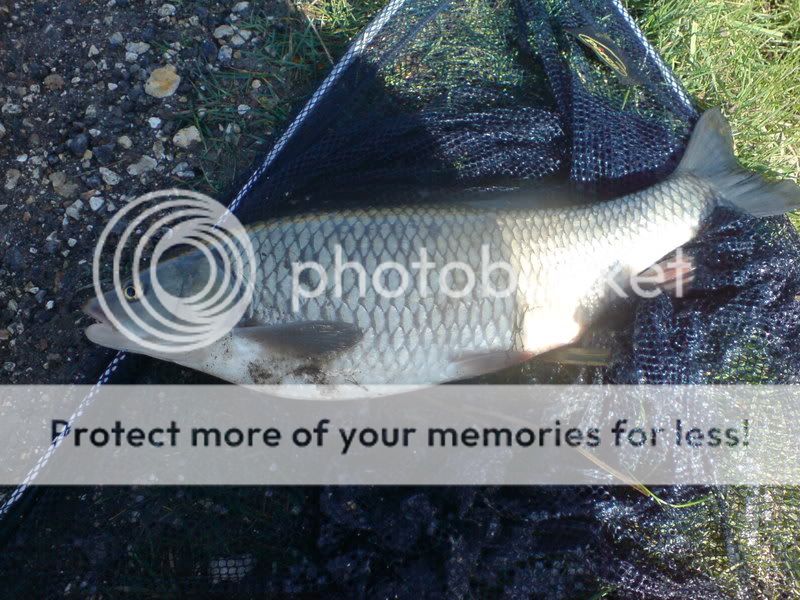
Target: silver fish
[{"x": 565, "y": 264}]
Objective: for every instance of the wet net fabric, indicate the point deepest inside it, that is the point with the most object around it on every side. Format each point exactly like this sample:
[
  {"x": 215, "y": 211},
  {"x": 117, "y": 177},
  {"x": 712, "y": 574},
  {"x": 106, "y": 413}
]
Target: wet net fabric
[{"x": 450, "y": 98}]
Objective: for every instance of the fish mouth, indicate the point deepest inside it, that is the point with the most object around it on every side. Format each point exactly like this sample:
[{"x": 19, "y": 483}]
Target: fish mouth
[{"x": 103, "y": 331}]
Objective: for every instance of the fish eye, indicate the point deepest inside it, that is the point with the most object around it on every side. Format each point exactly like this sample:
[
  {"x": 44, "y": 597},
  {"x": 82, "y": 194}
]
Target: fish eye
[{"x": 130, "y": 293}]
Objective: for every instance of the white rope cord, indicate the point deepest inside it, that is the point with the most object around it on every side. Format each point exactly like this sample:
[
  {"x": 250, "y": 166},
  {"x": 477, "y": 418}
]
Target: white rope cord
[
  {"x": 44, "y": 458},
  {"x": 355, "y": 50}
]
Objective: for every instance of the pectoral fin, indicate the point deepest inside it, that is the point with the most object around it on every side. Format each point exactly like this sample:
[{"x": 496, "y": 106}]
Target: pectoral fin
[{"x": 303, "y": 339}]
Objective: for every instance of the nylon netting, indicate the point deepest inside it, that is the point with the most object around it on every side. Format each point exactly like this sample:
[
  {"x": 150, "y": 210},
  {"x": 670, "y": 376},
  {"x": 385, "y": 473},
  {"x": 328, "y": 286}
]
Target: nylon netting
[{"x": 451, "y": 98}]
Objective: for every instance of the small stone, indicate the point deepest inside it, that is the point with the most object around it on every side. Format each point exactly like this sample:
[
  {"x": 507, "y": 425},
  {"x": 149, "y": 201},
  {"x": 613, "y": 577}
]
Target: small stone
[
  {"x": 9, "y": 108},
  {"x": 154, "y": 122},
  {"x": 240, "y": 7},
  {"x": 137, "y": 48},
  {"x": 37, "y": 70},
  {"x": 74, "y": 210},
  {"x": 167, "y": 10},
  {"x": 116, "y": 39},
  {"x": 14, "y": 260},
  {"x": 237, "y": 41},
  {"x": 232, "y": 133},
  {"x": 9, "y": 366},
  {"x": 12, "y": 176},
  {"x": 71, "y": 242},
  {"x": 93, "y": 51},
  {"x": 104, "y": 154},
  {"x": 125, "y": 142},
  {"x": 158, "y": 149},
  {"x": 109, "y": 176},
  {"x": 49, "y": 305},
  {"x": 223, "y": 31},
  {"x": 187, "y": 136},
  {"x": 5, "y": 335},
  {"x": 143, "y": 165},
  {"x": 51, "y": 245},
  {"x": 163, "y": 82},
  {"x": 58, "y": 178},
  {"x": 96, "y": 203},
  {"x": 225, "y": 54},
  {"x": 94, "y": 182},
  {"x": 78, "y": 144},
  {"x": 208, "y": 49},
  {"x": 61, "y": 186},
  {"x": 183, "y": 171},
  {"x": 54, "y": 82}
]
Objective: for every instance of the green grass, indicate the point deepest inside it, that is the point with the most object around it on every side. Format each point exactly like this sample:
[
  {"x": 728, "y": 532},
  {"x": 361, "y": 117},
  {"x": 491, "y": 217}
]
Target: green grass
[
  {"x": 742, "y": 55},
  {"x": 298, "y": 46}
]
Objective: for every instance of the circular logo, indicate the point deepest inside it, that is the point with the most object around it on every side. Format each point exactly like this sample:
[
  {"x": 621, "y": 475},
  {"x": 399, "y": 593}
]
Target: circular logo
[{"x": 183, "y": 302}]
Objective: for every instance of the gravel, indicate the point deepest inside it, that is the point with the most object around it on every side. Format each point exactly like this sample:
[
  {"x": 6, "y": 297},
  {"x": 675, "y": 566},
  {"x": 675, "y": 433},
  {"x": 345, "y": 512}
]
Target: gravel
[{"x": 96, "y": 104}]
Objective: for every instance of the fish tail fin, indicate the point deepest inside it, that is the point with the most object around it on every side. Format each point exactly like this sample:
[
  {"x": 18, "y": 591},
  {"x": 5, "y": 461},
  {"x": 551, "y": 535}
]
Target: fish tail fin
[{"x": 710, "y": 155}]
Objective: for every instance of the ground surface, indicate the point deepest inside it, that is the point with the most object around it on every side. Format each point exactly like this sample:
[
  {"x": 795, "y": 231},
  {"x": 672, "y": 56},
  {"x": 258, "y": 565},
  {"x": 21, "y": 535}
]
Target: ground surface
[{"x": 81, "y": 134}]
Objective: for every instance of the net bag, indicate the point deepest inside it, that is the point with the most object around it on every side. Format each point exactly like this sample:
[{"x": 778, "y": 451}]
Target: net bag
[{"x": 442, "y": 99}]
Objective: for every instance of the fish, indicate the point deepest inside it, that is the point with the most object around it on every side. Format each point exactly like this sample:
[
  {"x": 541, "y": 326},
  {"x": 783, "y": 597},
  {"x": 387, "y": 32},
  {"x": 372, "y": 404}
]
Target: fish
[{"x": 345, "y": 336}]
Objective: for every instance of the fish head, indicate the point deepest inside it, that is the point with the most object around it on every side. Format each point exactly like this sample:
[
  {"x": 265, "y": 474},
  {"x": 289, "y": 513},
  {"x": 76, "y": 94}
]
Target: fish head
[{"x": 148, "y": 313}]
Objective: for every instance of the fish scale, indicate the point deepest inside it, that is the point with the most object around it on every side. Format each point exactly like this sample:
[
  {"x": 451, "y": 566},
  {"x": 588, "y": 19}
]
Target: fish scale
[{"x": 543, "y": 245}]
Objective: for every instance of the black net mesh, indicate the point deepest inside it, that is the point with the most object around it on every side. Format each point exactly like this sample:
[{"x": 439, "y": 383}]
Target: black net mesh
[{"x": 458, "y": 97}]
